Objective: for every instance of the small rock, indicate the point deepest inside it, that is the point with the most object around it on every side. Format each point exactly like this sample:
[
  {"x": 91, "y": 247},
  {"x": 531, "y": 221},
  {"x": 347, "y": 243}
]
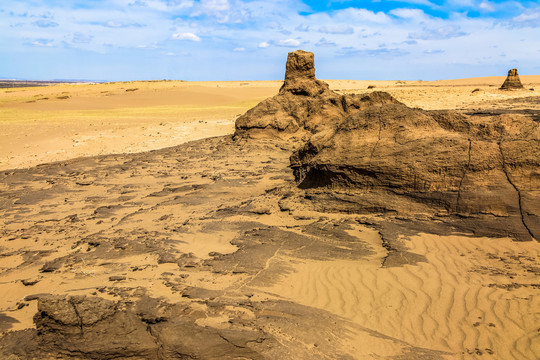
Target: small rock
[
  {"x": 51, "y": 266},
  {"x": 166, "y": 258},
  {"x": 20, "y": 305},
  {"x": 34, "y": 296},
  {"x": 27, "y": 282},
  {"x": 84, "y": 182},
  {"x": 117, "y": 278}
]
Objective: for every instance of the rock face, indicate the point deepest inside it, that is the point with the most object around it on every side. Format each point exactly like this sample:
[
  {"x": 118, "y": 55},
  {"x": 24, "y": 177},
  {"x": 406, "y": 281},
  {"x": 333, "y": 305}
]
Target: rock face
[
  {"x": 80, "y": 327},
  {"x": 303, "y": 106},
  {"x": 93, "y": 328},
  {"x": 481, "y": 173},
  {"x": 371, "y": 153},
  {"x": 512, "y": 81}
]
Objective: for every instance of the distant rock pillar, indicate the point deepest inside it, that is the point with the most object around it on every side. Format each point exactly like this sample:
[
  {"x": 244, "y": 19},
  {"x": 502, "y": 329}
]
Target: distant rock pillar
[
  {"x": 512, "y": 81},
  {"x": 300, "y": 64},
  {"x": 300, "y": 75}
]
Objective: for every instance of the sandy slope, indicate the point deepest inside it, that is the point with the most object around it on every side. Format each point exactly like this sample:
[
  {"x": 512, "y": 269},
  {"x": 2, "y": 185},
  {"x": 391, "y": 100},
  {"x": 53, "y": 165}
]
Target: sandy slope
[
  {"x": 65, "y": 121},
  {"x": 60, "y": 122}
]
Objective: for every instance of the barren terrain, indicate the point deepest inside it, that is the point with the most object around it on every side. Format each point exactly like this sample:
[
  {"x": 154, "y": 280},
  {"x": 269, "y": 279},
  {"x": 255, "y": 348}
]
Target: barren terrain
[
  {"x": 64, "y": 121},
  {"x": 188, "y": 243}
]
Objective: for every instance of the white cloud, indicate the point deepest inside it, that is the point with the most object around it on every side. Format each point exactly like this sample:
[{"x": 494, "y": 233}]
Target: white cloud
[
  {"x": 353, "y": 15},
  {"x": 323, "y": 42},
  {"x": 289, "y": 43},
  {"x": 44, "y": 23},
  {"x": 263, "y": 45},
  {"x": 119, "y": 24},
  {"x": 80, "y": 38},
  {"x": 441, "y": 33},
  {"x": 418, "y": 2},
  {"x": 42, "y": 43},
  {"x": 239, "y": 49},
  {"x": 415, "y": 14},
  {"x": 302, "y": 27},
  {"x": 433, "y": 51},
  {"x": 530, "y": 17},
  {"x": 215, "y": 5},
  {"x": 186, "y": 36},
  {"x": 486, "y": 6}
]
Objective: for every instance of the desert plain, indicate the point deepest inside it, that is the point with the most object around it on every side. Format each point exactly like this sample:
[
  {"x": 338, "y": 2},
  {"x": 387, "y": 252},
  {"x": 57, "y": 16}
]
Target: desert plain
[{"x": 133, "y": 225}]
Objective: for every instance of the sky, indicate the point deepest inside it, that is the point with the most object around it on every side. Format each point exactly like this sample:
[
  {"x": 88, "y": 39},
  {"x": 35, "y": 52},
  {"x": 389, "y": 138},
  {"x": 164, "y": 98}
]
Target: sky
[{"x": 120, "y": 40}]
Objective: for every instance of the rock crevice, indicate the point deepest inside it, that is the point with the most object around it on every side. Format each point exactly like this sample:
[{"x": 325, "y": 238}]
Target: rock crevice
[{"x": 519, "y": 197}]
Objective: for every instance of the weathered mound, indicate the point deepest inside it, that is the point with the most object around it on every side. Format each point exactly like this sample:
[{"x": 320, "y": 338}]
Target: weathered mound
[
  {"x": 512, "y": 81},
  {"x": 484, "y": 171},
  {"x": 80, "y": 327},
  {"x": 304, "y": 105},
  {"x": 387, "y": 157}
]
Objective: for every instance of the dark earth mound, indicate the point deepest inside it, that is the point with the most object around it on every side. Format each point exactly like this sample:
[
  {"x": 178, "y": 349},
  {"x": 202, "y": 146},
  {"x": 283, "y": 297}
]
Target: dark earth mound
[{"x": 481, "y": 172}]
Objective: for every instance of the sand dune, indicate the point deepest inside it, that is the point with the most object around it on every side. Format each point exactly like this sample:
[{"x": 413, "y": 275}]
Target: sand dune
[{"x": 460, "y": 301}]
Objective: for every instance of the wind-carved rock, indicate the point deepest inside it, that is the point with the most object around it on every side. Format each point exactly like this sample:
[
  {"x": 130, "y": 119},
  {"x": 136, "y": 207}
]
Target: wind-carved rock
[
  {"x": 372, "y": 154},
  {"x": 303, "y": 106},
  {"x": 300, "y": 75},
  {"x": 512, "y": 81}
]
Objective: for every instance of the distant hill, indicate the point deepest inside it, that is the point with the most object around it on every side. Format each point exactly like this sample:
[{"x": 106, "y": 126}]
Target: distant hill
[{"x": 15, "y": 83}]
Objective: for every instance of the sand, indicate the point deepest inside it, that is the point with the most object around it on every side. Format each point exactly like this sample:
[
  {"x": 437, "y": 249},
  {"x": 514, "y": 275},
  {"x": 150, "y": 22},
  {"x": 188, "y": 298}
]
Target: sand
[
  {"x": 471, "y": 298},
  {"x": 457, "y": 301},
  {"x": 44, "y": 124},
  {"x": 59, "y": 122}
]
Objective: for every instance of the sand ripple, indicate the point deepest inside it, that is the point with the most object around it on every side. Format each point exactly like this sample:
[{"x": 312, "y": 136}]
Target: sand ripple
[{"x": 444, "y": 304}]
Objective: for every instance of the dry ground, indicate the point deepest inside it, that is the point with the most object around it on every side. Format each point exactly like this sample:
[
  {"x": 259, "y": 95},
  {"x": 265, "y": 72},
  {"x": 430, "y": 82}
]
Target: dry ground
[
  {"x": 210, "y": 222},
  {"x": 59, "y": 122}
]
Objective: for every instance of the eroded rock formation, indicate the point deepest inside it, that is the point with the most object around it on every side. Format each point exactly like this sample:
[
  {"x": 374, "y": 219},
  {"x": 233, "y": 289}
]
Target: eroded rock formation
[
  {"x": 480, "y": 172},
  {"x": 81, "y": 327},
  {"x": 303, "y": 106},
  {"x": 512, "y": 81}
]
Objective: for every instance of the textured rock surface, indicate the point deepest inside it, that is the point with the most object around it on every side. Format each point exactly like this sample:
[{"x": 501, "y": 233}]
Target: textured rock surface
[
  {"x": 80, "y": 327},
  {"x": 512, "y": 81},
  {"x": 303, "y": 106},
  {"x": 480, "y": 171}
]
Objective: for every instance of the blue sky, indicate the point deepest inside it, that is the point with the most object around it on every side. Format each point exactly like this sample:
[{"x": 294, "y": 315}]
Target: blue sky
[{"x": 249, "y": 39}]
